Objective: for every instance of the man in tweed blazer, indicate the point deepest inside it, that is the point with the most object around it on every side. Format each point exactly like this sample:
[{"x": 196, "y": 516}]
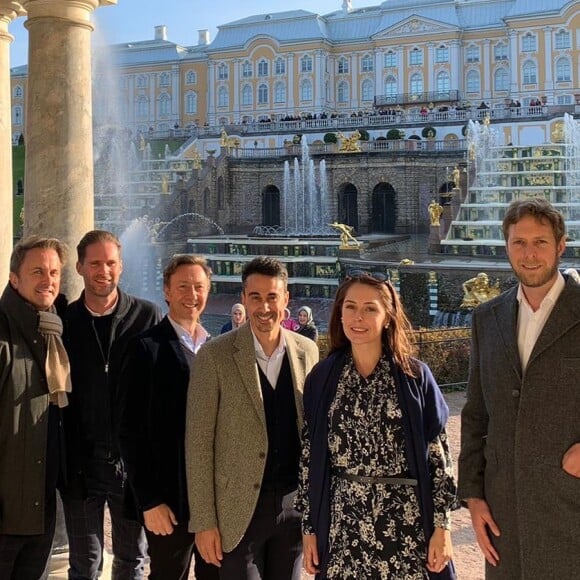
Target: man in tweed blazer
[
  {"x": 244, "y": 416},
  {"x": 519, "y": 468}
]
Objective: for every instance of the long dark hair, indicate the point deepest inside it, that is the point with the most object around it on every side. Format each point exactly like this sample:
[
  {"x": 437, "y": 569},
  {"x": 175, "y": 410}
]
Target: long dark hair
[{"x": 395, "y": 337}]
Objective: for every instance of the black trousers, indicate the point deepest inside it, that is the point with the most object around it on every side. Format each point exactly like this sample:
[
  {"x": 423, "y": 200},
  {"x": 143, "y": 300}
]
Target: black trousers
[
  {"x": 26, "y": 557},
  {"x": 271, "y": 548},
  {"x": 170, "y": 556}
]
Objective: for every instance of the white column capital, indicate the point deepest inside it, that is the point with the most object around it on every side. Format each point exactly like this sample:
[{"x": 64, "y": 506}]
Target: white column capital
[{"x": 78, "y": 11}]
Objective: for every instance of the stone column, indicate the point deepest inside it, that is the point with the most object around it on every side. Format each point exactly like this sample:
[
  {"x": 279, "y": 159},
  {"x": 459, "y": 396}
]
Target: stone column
[
  {"x": 59, "y": 144},
  {"x": 8, "y": 11}
]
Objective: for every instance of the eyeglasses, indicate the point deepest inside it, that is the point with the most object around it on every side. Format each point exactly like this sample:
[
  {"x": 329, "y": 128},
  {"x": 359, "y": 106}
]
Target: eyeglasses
[{"x": 378, "y": 276}]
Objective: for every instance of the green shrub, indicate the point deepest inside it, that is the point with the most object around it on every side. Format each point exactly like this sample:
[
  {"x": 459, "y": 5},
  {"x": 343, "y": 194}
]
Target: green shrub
[
  {"x": 394, "y": 134},
  {"x": 364, "y": 135},
  {"x": 330, "y": 138},
  {"x": 428, "y": 132}
]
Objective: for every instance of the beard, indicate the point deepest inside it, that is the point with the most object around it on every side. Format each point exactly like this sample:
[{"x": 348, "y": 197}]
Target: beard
[{"x": 536, "y": 278}]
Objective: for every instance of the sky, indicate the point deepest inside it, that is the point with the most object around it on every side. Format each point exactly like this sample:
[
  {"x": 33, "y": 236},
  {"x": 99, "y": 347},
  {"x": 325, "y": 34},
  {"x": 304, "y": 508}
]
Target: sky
[{"x": 134, "y": 20}]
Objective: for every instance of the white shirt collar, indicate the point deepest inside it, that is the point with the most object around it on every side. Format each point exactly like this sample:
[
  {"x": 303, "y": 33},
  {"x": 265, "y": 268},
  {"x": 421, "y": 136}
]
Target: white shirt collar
[
  {"x": 106, "y": 313},
  {"x": 550, "y": 298},
  {"x": 192, "y": 343}
]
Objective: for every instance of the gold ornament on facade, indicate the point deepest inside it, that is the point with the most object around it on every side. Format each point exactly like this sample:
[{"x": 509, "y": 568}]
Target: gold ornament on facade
[
  {"x": 349, "y": 144},
  {"x": 406, "y": 262},
  {"x": 558, "y": 132},
  {"x": 435, "y": 210},
  {"x": 196, "y": 159},
  {"x": 347, "y": 239},
  {"x": 478, "y": 290}
]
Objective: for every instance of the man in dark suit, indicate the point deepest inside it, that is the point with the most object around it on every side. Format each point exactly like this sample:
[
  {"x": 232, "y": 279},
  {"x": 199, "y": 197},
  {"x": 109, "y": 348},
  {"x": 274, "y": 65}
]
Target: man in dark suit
[
  {"x": 244, "y": 416},
  {"x": 519, "y": 468},
  {"x": 156, "y": 376}
]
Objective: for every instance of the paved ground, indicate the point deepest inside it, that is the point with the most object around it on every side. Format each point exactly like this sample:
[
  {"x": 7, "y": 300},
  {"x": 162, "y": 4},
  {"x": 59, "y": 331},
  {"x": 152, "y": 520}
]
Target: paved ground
[{"x": 468, "y": 560}]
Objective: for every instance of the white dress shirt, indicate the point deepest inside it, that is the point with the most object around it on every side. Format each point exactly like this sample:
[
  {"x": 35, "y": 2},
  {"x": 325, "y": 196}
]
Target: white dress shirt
[
  {"x": 270, "y": 365},
  {"x": 191, "y": 343}
]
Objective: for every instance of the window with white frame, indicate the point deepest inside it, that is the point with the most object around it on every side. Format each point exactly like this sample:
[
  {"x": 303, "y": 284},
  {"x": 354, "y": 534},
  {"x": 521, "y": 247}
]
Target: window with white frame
[
  {"x": 223, "y": 97},
  {"x": 500, "y": 51},
  {"x": 191, "y": 77},
  {"x": 191, "y": 103},
  {"x": 343, "y": 65},
  {"x": 390, "y": 59},
  {"x": 142, "y": 107},
  {"x": 562, "y": 40},
  {"x": 472, "y": 82},
  {"x": 164, "y": 105},
  {"x": 223, "y": 72},
  {"x": 164, "y": 79},
  {"x": 529, "y": 43},
  {"x": 472, "y": 54},
  {"x": 390, "y": 86},
  {"x": 280, "y": 66},
  {"x": 263, "y": 94},
  {"x": 343, "y": 92},
  {"x": 564, "y": 100},
  {"x": 563, "y": 70},
  {"x": 416, "y": 84},
  {"x": 530, "y": 73},
  {"x": 141, "y": 81},
  {"x": 442, "y": 54},
  {"x": 443, "y": 82},
  {"x": 18, "y": 92},
  {"x": 247, "y": 69},
  {"x": 263, "y": 68},
  {"x": 367, "y": 91},
  {"x": 306, "y": 63},
  {"x": 416, "y": 57},
  {"x": 501, "y": 80},
  {"x": 280, "y": 92},
  {"x": 306, "y": 90},
  {"x": 367, "y": 63},
  {"x": 247, "y": 95},
  {"x": 17, "y": 115}
]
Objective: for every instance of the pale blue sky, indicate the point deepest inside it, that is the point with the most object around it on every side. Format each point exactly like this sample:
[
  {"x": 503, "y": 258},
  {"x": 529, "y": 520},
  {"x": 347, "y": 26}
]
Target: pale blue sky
[{"x": 132, "y": 20}]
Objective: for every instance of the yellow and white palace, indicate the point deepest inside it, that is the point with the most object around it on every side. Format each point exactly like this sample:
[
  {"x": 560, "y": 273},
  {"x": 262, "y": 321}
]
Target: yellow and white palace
[{"x": 427, "y": 59}]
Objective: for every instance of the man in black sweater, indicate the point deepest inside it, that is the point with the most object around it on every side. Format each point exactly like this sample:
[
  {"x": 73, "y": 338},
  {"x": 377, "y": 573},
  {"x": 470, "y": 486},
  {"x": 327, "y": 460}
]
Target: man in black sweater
[{"x": 98, "y": 327}]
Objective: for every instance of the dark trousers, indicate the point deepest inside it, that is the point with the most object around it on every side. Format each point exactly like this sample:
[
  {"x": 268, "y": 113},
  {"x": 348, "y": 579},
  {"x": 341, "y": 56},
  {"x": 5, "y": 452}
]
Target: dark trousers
[
  {"x": 271, "y": 548},
  {"x": 26, "y": 557},
  {"x": 84, "y": 524},
  {"x": 170, "y": 556}
]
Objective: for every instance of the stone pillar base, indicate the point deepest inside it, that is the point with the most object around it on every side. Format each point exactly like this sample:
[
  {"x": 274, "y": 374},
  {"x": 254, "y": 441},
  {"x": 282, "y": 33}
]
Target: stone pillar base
[{"x": 435, "y": 239}]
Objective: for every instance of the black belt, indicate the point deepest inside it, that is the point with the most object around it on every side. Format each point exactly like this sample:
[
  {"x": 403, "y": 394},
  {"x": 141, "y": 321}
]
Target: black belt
[{"x": 369, "y": 479}]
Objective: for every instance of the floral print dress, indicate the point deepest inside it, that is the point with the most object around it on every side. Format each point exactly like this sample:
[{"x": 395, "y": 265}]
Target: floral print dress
[{"x": 375, "y": 530}]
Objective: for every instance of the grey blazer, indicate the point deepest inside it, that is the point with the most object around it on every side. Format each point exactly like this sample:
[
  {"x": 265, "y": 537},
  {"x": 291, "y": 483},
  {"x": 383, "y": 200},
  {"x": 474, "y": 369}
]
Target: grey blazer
[
  {"x": 226, "y": 440},
  {"x": 516, "y": 428}
]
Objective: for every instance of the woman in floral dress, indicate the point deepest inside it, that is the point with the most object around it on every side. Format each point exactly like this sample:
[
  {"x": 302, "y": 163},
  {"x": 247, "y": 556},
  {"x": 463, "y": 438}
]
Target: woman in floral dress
[{"x": 377, "y": 485}]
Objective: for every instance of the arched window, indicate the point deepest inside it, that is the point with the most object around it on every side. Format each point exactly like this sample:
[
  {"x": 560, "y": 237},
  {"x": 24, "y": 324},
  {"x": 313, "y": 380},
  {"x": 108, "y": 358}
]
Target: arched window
[
  {"x": 563, "y": 70},
  {"x": 416, "y": 57},
  {"x": 280, "y": 66},
  {"x": 247, "y": 96},
  {"x": 142, "y": 107},
  {"x": 442, "y": 54},
  {"x": 17, "y": 115},
  {"x": 367, "y": 91},
  {"x": 141, "y": 81},
  {"x": 530, "y": 71},
  {"x": 263, "y": 68},
  {"x": 343, "y": 92},
  {"x": 390, "y": 59},
  {"x": 343, "y": 65},
  {"x": 164, "y": 79},
  {"x": 443, "y": 82},
  {"x": 263, "y": 94},
  {"x": 390, "y": 86},
  {"x": 416, "y": 84},
  {"x": 247, "y": 69},
  {"x": 223, "y": 72},
  {"x": 562, "y": 40},
  {"x": 501, "y": 80},
  {"x": 306, "y": 90},
  {"x": 280, "y": 92},
  {"x": 223, "y": 97},
  {"x": 18, "y": 92},
  {"x": 367, "y": 63},
  {"x": 164, "y": 105},
  {"x": 306, "y": 63},
  {"x": 472, "y": 82},
  {"x": 191, "y": 103},
  {"x": 190, "y": 78}
]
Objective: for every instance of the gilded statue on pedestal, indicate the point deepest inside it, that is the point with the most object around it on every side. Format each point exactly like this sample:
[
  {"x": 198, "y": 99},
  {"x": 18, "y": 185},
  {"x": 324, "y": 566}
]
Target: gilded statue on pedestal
[
  {"x": 349, "y": 144},
  {"x": 347, "y": 239},
  {"x": 478, "y": 290},
  {"x": 435, "y": 210}
]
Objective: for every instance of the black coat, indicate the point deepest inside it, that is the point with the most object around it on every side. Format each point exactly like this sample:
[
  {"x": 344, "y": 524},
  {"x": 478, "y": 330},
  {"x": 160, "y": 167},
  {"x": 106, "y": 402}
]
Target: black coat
[{"x": 152, "y": 429}]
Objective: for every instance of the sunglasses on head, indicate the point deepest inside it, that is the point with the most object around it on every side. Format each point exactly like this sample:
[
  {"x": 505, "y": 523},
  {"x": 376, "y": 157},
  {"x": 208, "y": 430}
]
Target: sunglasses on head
[{"x": 357, "y": 274}]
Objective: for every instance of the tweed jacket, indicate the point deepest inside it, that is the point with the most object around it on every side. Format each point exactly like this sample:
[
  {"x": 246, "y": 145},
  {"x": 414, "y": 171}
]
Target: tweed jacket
[
  {"x": 516, "y": 427},
  {"x": 226, "y": 439}
]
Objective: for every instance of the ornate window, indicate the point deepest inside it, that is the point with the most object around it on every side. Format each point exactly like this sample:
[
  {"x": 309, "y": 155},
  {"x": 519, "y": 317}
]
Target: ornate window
[
  {"x": 530, "y": 73},
  {"x": 306, "y": 63},
  {"x": 17, "y": 115},
  {"x": 223, "y": 97},
  {"x": 501, "y": 80},
  {"x": 563, "y": 70},
  {"x": 416, "y": 57},
  {"x": 18, "y": 92},
  {"x": 280, "y": 92},
  {"x": 191, "y": 78},
  {"x": 367, "y": 63},
  {"x": 263, "y": 94},
  {"x": 263, "y": 68},
  {"x": 367, "y": 91},
  {"x": 247, "y": 95},
  {"x": 562, "y": 40},
  {"x": 141, "y": 81},
  {"x": 223, "y": 72},
  {"x": 472, "y": 54},
  {"x": 164, "y": 105},
  {"x": 306, "y": 90},
  {"x": 529, "y": 43},
  {"x": 247, "y": 69},
  {"x": 390, "y": 59},
  {"x": 500, "y": 51},
  {"x": 442, "y": 54},
  {"x": 564, "y": 100},
  {"x": 142, "y": 107},
  {"x": 473, "y": 83},
  {"x": 164, "y": 79},
  {"x": 191, "y": 103},
  {"x": 343, "y": 65},
  {"x": 443, "y": 82},
  {"x": 343, "y": 92},
  {"x": 390, "y": 86},
  {"x": 416, "y": 84},
  {"x": 280, "y": 66}
]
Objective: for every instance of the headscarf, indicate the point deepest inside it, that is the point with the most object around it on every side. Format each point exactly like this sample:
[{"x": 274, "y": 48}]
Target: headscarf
[
  {"x": 237, "y": 307},
  {"x": 308, "y": 311}
]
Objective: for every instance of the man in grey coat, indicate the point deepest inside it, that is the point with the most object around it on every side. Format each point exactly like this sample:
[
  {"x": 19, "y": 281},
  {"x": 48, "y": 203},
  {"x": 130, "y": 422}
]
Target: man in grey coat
[
  {"x": 519, "y": 468},
  {"x": 34, "y": 386}
]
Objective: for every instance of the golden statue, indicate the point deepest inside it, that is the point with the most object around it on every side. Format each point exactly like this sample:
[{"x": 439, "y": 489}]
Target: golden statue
[
  {"x": 406, "y": 262},
  {"x": 349, "y": 144},
  {"x": 196, "y": 157},
  {"x": 455, "y": 176},
  {"x": 164, "y": 184},
  {"x": 223, "y": 138},
  {"x": 347, "y": 240},
  {"x": 142, "y": 144},
  {"x": 478, "y": 290},
  {"x": 435, "y": 210}
]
